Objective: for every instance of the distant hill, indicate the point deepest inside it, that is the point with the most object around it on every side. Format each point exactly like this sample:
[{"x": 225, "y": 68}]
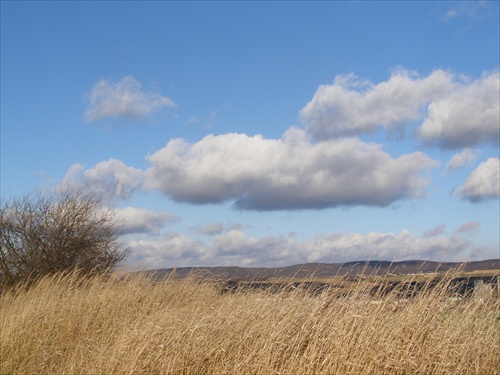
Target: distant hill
[{"x": 325, "y": 270}]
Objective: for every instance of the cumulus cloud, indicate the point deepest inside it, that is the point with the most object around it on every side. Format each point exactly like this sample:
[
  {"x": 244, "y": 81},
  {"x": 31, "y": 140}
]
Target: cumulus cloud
[
  {"x": 454, "y": 113},
  {"x": 388, "y": 246},
  {"x": 140, "y": 220},
  {"x": 170, "y": 250},
  {"x": 483, "y": 183},
  {"x": 236, "y": 248},
  {"x": 110, "y": 179},
  {"x": 123, "y": 99},
  {"x": 468, "y": 116},
  {"x": 287, "y": 173},
  {"x": 351, "y": 106},
  {"x": 460, "y": 159},
  {"x": 264, "y": 174}
]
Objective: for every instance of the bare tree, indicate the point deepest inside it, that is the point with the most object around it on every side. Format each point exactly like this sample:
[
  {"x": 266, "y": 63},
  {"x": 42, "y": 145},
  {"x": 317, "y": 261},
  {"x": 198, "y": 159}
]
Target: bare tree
[{"x": 46, "y": 232}]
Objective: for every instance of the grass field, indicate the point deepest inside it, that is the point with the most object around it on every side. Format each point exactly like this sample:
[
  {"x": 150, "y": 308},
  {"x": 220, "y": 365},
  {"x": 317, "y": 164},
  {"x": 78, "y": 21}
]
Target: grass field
[{"x": 66, "y": 324}]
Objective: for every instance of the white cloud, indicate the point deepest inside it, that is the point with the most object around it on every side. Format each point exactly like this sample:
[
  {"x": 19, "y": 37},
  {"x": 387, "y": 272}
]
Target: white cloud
[
  {"x": 237, "y": 249},
  {"x": 123, "y": 99},
  {"x": 461, "y": 159},
  {"x": 109, "y": 179},
  {"x": 468, "y": 116},
  {"x": 387, "y": 246},
  {"x": 140, "y": 220},
  {"x": 483, "y": 183},
  {"x": 351, "y": 106},
  {"x": 234, "y": 247},
  {"x": 170, "y": 250},
  {"x": 453, "y": 113},
  {"x": 288, "y": 173},
  {"x": 264, "y": 174}
]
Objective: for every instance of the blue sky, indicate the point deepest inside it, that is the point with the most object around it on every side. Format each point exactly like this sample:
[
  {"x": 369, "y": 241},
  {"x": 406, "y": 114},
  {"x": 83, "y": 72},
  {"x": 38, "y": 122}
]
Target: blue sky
[{"x": 262, "y": 133}]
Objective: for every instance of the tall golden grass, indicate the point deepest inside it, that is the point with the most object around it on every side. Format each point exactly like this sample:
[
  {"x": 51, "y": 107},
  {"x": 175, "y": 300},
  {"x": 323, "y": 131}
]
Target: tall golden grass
[{"x": 67, "y": 324}]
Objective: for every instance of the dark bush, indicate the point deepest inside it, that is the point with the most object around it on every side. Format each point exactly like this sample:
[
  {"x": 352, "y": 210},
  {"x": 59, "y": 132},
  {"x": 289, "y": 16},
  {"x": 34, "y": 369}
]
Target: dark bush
[{"x": 47, "y": 232}]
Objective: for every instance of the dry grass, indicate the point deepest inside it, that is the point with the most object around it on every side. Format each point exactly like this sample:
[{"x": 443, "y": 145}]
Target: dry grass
[{"x": 69, "y": 325}]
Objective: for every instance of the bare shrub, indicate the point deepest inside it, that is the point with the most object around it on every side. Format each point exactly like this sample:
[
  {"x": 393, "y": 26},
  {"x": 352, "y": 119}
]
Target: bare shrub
[{"x": 45, "y": 232}]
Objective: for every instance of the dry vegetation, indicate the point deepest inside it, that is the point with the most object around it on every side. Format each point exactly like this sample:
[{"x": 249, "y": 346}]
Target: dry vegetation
[{"x": 67, "y": 324}]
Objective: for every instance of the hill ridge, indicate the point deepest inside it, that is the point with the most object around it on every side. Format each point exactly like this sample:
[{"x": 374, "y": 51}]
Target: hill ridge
[{"x": 324, "y": 270}]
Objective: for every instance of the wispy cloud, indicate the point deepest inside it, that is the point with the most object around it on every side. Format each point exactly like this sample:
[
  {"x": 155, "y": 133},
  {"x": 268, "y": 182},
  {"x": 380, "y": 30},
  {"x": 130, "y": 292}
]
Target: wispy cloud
[
  {"x": 205, "y": 122},
  {"x": 434, "y": 232},
  {"x": 468, "y": 9},
  {"x": 211, "y": 229},
  {"x": 193, "y": 120},
  {"x": 472, "y": 227},
  {"x": 123, "y": 99}
]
